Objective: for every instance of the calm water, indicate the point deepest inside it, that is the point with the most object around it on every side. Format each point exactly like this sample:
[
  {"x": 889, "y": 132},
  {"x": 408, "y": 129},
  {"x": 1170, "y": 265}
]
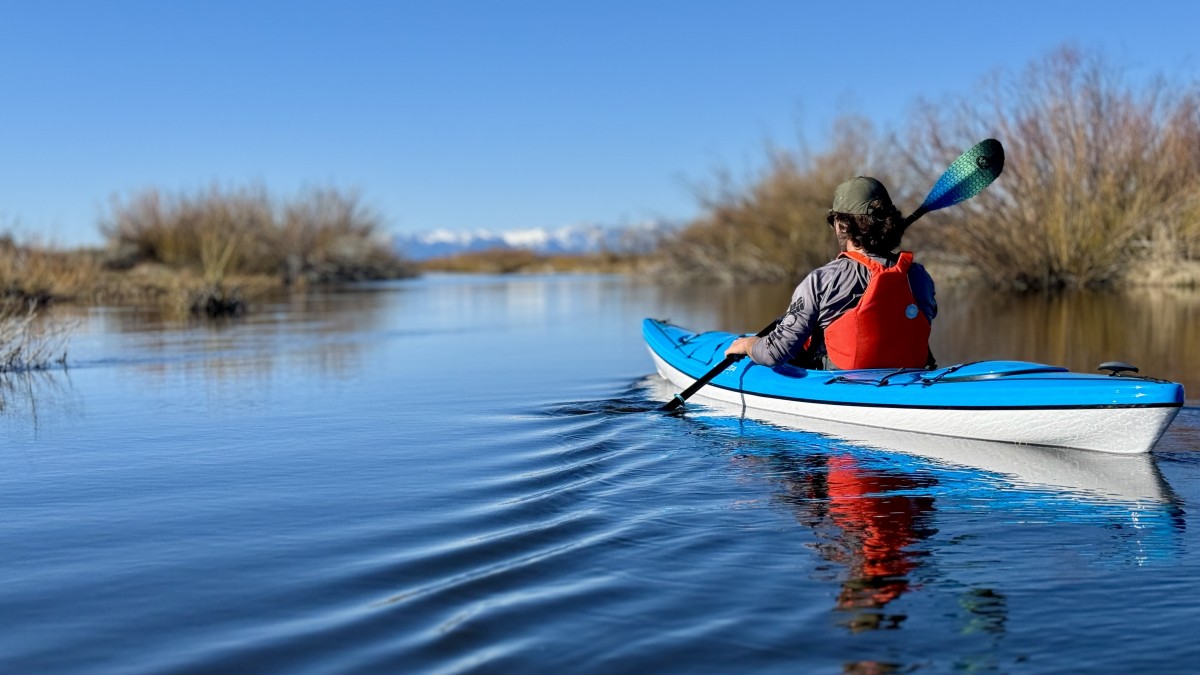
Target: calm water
[{"x": 468, "y": 475}]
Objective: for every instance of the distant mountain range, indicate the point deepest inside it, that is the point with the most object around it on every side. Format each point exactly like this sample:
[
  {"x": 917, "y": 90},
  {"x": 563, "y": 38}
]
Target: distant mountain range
[{"x": 574, "y": 239}]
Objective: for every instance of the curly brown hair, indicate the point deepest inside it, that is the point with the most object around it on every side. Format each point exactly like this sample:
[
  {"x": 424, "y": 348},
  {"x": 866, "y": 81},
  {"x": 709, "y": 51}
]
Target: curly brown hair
[{"x": 878, "y": 232}]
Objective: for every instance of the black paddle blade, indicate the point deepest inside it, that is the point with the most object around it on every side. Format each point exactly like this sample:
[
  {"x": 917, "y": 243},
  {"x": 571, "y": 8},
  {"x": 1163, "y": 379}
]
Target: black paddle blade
[{"x": 973, "y": 171}]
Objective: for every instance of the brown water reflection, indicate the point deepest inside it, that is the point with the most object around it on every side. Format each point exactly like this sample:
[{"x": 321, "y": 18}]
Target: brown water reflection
[
  {"x": 1156, "y": 329},
  {"x": 321, "y": 332}
]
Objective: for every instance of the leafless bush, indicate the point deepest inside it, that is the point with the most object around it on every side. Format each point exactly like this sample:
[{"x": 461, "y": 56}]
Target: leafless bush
[
  {"x": 328, "y": 235},
  {"x": 36, "y": 274},
  {"x": 321, "y": 235},
  {"x": 26, "y": 343},
  {"x": 213, "y": 231},
  {"x": 1099, "y": 171}
]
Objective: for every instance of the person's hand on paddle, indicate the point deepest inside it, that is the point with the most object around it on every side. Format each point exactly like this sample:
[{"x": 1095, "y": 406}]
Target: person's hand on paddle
[{"x": 742, "y": 346}]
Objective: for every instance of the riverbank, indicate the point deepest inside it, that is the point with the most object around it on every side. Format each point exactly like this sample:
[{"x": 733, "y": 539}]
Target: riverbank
[
  {"x": 34, "y": 276},
  {"x": 210, "y": 252},
  {"x": 951, "y": 272},
  {"x": 521, "y": 261}
]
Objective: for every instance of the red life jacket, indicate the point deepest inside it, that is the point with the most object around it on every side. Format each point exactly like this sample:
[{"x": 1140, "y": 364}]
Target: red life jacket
[{"x": 886, "y": 329}]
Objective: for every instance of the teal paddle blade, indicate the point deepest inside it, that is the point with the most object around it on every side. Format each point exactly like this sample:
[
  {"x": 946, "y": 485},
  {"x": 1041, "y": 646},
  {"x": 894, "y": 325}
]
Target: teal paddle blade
[{"x": 974, "y": 170}]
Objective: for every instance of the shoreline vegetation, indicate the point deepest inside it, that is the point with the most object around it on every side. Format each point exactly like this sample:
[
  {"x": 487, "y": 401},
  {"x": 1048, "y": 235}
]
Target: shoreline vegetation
[
  {"x": 208, "y": 254},
  {"x": 946, "y": 270},
  {"x": 208, "y": 251},
  {"x": 523, "y": 261}
]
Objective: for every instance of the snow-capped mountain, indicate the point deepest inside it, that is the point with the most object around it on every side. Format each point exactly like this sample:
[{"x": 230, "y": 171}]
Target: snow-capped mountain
[{"x": 573, "y": 239}]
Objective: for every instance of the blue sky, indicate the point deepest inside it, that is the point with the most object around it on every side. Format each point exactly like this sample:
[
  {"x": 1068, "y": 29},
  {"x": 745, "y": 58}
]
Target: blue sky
[{"x": 498, "y": 115}]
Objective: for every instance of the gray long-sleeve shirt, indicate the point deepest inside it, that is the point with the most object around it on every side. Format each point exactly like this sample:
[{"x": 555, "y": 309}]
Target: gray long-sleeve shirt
[{"x": 824, "y": 295}]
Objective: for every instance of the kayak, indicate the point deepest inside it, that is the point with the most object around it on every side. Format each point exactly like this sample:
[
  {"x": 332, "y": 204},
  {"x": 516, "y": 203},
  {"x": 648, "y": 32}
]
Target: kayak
[
  {"x": 1001, "y": 401},
  {"x": 1093, "y": 477}
]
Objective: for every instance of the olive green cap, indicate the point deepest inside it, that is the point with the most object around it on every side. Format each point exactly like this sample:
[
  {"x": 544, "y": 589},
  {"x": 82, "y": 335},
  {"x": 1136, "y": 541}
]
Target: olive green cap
[{"x": 855, "y": 196}]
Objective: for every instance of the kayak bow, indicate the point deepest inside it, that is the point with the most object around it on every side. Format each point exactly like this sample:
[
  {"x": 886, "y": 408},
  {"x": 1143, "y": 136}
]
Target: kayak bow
[{"x": 1006, "y": 401}]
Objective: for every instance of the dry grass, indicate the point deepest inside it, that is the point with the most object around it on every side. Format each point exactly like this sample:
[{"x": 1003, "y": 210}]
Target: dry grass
[
  {"x": 209, "y": 253},
  {"x": 32, "y": 276},
  {"x": 1164, "y": 272},
  {"x": 26, "y": 341},
  {"x": 522, "y": 261},
  {"x": 35, "y": 274},
  {"x": 182, "y": 292},
  {"x": 322, "y": 235},
  {"x": 220, "y": 244},
  {"x": 329, "y": 236}
]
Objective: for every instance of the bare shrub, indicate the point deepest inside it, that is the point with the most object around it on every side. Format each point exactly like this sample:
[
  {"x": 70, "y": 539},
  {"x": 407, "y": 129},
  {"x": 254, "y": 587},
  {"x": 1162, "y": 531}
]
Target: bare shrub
[
  {"x": 1098, "y": 171},
  {"x": 774, "y": 229},
  {"x": 26, "y": 342},
  {"x": 37, "y": 274},
  {"x": 321, "y": 235},
  {"x": 327, "y": 235},
  {"x": 525, "y": 261},
  {"x": 212, "y": 231},
  {"x": 489, "y": 261}
]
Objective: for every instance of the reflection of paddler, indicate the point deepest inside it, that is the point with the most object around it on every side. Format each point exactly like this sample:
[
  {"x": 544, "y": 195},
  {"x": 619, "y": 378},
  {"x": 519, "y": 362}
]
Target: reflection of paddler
[
  {"x": 877, "y": 527},
  {"x": 864, "y": 519}
]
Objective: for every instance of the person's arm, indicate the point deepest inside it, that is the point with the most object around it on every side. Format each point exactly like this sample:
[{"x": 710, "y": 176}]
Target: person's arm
[
  {"x": 788, "y": 338},
  {"x": 742, "y": 345},
  {"x": 923, "y": 291}
]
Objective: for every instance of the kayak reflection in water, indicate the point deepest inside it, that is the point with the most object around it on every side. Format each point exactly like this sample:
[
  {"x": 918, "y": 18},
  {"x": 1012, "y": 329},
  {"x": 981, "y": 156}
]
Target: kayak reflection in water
[
  {"x": 878, "y": 527},
  {"x": 868, "y": 308},
  {"x": 869, "y": 521}
]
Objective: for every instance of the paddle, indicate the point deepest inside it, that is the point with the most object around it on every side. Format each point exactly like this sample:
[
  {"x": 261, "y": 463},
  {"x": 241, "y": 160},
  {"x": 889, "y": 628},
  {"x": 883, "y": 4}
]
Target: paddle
[
  {"x": 966, "y": 177},
  {"x": 684, "y": 395}
]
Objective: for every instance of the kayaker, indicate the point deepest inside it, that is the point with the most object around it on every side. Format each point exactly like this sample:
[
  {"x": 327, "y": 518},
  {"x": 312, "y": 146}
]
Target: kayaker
[{"x": 867, "y": 308}]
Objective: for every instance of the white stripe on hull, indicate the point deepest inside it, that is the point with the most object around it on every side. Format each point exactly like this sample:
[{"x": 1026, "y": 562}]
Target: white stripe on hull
[{"x": 1115, "y": 430}]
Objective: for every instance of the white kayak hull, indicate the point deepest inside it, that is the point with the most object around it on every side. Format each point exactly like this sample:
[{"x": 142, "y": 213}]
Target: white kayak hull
[{"x": 1130, "y": 430}]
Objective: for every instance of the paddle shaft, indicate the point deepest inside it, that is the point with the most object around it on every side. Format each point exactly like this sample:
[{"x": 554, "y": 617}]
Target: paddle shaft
[
  {"x": 725, "y": 363},
  {"x": 912, "y": 218}
]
